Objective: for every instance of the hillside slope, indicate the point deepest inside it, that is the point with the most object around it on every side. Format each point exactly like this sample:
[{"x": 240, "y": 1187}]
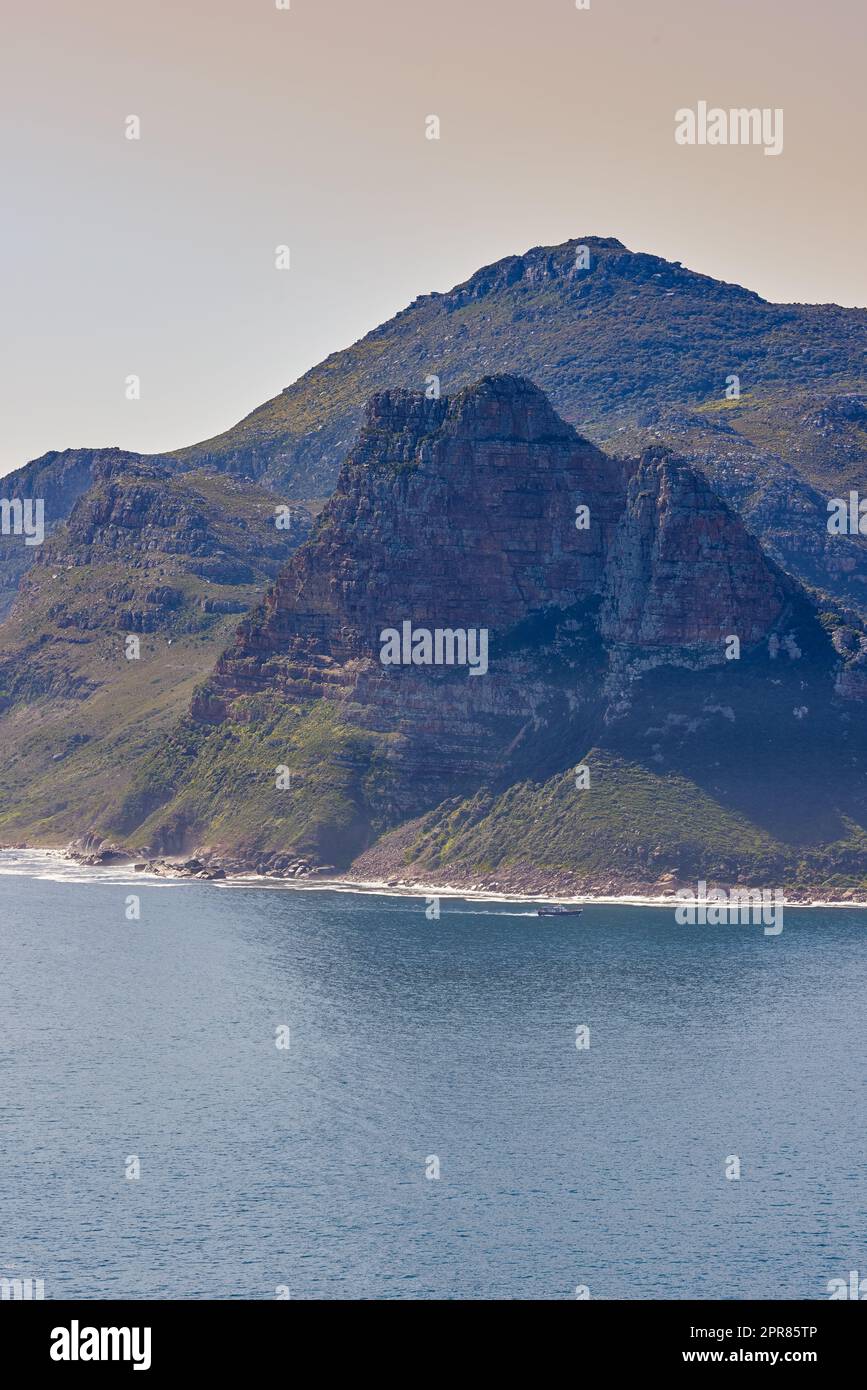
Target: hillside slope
[{"x": 170, "y": 561}]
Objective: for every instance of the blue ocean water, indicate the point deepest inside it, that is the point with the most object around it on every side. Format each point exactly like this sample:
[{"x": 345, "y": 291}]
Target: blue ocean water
[{"x": 304, "y": 1168}]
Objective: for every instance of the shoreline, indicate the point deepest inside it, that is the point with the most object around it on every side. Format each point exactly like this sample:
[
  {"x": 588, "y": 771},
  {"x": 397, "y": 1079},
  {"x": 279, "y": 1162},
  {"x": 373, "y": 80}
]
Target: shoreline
[
  {"x": 170, "y": 872},
  {"x": 582, "y": 899}
]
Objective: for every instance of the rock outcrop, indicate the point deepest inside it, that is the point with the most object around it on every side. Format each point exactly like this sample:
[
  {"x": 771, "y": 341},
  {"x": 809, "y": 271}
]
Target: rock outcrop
[
  {"x": 610, "y": 592},
  {"x": 487, "y": 511}
]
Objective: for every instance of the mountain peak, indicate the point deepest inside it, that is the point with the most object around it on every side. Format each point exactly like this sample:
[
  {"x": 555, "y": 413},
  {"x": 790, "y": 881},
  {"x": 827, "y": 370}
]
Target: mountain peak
[
  {"x": 396, "y": 423},
  {"x": 581, "y": 259}
]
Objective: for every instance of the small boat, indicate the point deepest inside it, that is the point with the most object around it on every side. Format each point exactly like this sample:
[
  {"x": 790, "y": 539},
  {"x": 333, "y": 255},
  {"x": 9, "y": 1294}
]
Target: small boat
[{"x": 559, "y": 910}]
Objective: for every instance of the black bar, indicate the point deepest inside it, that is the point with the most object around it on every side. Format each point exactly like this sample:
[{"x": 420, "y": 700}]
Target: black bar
[{"x": 227, "y": 1337}]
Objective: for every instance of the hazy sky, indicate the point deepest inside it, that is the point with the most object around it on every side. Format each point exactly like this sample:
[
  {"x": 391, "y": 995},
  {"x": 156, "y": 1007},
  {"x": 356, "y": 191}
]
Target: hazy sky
[{"x": 306, "y": 127}]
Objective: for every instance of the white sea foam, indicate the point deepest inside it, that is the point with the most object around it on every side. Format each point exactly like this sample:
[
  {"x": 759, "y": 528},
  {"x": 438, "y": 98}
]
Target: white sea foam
[{"x": 53, "y": 866}]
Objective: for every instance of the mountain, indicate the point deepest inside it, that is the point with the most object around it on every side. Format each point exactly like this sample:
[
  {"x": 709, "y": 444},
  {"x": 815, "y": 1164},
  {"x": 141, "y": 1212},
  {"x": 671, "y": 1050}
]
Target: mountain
[
  {"x": 605, "y": 643},
  {"x": 632, "y": 349},
  {"x": 609, "y": 591}
]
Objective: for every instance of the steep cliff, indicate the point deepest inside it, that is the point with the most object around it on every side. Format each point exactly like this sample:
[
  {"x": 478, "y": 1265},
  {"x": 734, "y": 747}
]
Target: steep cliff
[{"x": 633, "y": 626}]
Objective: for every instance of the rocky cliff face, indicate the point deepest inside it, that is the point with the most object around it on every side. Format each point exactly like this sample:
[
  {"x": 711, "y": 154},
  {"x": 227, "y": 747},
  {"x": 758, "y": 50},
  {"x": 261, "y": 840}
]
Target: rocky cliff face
[
  {"x": 58, "y": 480},
  {"x": 486, "y": 510},
  {"x": 449, "y": 513},
  {"x": 681, "y": 571},
  {"x": 610, "y": 592},
  {"x": 220, "y": 529}
]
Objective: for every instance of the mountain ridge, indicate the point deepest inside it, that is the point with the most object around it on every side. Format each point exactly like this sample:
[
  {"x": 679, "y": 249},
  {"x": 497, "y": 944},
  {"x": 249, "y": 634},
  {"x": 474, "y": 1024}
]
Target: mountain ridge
[{"x": 633, "y": 350}]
